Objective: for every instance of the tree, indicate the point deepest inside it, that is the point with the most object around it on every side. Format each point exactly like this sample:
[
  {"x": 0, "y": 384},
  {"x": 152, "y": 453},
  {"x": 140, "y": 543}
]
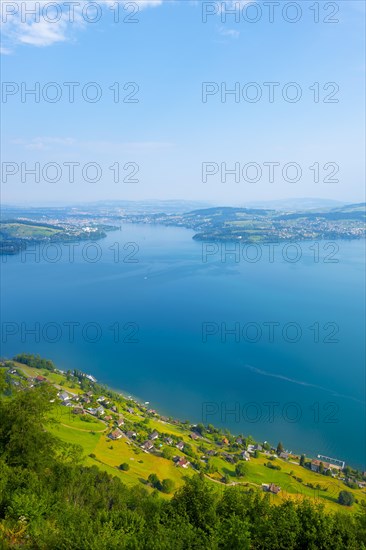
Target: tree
[
  {"x": 167, "y": 452},
  {"x": 167, "y": 485},
  {"x": 321, "y": 468},
  {"x": 302, "y": 460},
  {"x": 280, "y": 448},
  {"x": 124, "y": 466},
  {"x": 154, "y": 481},
  {"x": 346, "y": 498},
  {"x": 240, "y": 469}
]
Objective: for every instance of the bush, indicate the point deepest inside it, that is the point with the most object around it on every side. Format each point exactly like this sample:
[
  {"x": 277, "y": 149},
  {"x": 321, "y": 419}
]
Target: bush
[
  {"x": 346, "y": 498},
  {"x": 167, "y": 486},
  {"x": 124, "y": 467},
  {"x": 92, "y": 455}
]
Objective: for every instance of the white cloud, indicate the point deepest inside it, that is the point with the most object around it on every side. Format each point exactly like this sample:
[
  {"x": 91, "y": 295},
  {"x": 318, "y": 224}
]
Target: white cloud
[
  {"x": 47, "y": 143},
  {"x": 50, "y": 26},
  {"x": 229, "y": 32}
]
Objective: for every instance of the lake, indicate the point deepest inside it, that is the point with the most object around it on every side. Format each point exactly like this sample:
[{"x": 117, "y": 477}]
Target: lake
[{"x": 266, "y": 341}]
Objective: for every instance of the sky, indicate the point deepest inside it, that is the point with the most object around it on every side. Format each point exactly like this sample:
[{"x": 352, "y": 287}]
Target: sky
[{"x": 224, "y": 102}]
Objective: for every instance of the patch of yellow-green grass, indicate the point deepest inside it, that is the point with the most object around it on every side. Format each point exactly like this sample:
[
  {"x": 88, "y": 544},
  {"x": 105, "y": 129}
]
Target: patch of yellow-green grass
[
  {"x": 53, "y": 377},
  {"x": 114, "y": 453},
  {"x": 166, "y": 427},
  {"x": 64, "y": 415},
  {"x": 290, "y": 487},
  {"x": 87, "y": 440},
  {"x": 25, "y": 230}
]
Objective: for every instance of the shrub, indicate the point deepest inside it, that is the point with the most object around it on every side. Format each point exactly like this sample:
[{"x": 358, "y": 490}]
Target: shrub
[{"x": 346, "y": 498}]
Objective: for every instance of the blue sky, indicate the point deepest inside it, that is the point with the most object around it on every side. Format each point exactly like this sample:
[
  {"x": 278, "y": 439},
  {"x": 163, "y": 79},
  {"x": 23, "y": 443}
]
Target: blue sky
[{"x": 169, "y": 133}]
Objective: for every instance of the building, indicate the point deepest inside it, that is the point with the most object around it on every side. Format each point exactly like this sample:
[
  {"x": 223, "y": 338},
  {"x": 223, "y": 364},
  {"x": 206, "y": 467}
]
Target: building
[
  {"x": 147, "y": 446},
  {"x": 154, "y": 435},
  {"x": 116, "y": 434},
  {"x": 271, "y": 488},
  {"x": 180, "y": 445},
  {"x": 315, "y": 466},
  {"x": 182, "y": 463},
  {"x": 64, "y": 396},
  {"x": 245, "y": 455}
]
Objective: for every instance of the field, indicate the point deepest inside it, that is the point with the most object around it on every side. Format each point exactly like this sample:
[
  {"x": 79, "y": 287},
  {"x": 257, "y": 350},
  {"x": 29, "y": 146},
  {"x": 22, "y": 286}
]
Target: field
[{"x": 20, "y": 230}]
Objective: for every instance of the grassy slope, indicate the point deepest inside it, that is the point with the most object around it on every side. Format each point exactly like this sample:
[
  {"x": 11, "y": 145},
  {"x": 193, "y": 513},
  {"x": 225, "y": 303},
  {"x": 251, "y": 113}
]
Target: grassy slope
[
  {"x": 92, "y": 436},
  {"x": 24, "y": 230}
]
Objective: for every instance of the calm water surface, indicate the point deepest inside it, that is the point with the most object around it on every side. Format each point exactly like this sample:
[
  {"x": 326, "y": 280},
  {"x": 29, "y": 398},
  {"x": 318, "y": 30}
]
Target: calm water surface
[{"x": 153, "y": 324}]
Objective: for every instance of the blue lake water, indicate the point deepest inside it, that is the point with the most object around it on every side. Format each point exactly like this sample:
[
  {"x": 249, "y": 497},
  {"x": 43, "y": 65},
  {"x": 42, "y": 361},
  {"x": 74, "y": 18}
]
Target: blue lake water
[{"x": 293, "y": 368}]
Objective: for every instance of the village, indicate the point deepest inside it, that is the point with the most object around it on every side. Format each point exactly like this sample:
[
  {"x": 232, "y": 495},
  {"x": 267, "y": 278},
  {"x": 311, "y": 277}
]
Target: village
[{"x": 175, "y": 446}]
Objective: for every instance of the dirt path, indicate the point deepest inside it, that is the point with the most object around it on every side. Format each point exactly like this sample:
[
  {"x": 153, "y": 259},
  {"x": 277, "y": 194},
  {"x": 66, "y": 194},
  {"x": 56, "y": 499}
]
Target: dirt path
[{"x": 81, "y": 429}]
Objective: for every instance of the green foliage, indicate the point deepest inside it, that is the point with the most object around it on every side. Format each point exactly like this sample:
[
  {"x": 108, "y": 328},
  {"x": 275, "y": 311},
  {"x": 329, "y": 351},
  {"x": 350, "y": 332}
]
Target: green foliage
[
  {"x": 50, "y": 501},
  {"x": 34, "y": 361},
  {"x": 167, "y": 486},
  {"x": 124, "y": 467},
  {"x": 346, "y": 498},
  {"x": 240, "y": 469}
]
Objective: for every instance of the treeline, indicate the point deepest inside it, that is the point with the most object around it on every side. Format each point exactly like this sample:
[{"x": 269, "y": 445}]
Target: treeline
[
  {"x": 50, "y": 500},
  {"x": 34, "y": 361}
]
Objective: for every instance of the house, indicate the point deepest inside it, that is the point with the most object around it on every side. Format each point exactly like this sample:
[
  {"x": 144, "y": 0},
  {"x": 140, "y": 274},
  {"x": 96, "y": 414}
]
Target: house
[
  {"x": 315, "y": 466},
  {"x": 64, "y": 396},
  {"x": 154, "y": 435},
  {"x": 284, "y": 455},
  {"x": 239, "y": 441},
  {"x": 40, "y": 378},
  {"x": 130, "y": 410},
  {"x": 78, "y": 410},
  {"x": 100, "y": 410},
  {"x": 229, "y": 458},
  {"x": 131, "y": 434},
  {"x": 116, "y": 434},
  {"x": 245, "y": 455},
  {"x": 108, "y": 418},
  {"x": 169, "y": 440},
  {"x": 271, "y": 488},
  {"x": 147, "y": 446},
  {"x": 194, "y": 436},
  {"x": 120, "y": 422},
  {"x": 183, "y": 463},
  {"x": 225, "y": 441},
  {"x": 89, "y": 394},
  {"x": 253, "y": 448},
  {"x": 102, "y": 399},
  {"x": 180, "y": 445}
]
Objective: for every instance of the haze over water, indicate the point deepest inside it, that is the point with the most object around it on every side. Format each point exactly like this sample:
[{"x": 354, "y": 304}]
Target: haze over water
[{"x": 315, "y": 389}]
